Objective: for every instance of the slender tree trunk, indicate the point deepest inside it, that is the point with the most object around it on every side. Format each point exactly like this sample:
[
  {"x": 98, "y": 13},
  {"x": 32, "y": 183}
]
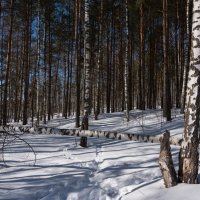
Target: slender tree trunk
[
  {"x": 27, "y": 63},
  {"x": 65, "y": 86},
  {"x": 5, "y": 106},
  {"x": 126, "y": 70},
  {"x": 131, "y": 77},
  {"x": 108, "y": 81},
  {"x": 166, "y": 81},
  {"x": 189, "y": 155},
  {"x": 151, "y": 68},
  {"x": 16, "y": 109},
  {"x": 84, "y": 125},
  {"x": 187, "y": 55},
  {"x": 2, "y": 61},
  {"x": 44, "y": 107},
  {"x": 70, "y": 80},
  {"x": 177, "y": 63},
  {"x": 113, "y": 53},
  {"x": 97, "y": 106},
  {"x": 38, "y": 66},
  {"x": 49, "y": 68},
  {"x": 141, "y": 74},
  {"x": 77, "y": 67}
]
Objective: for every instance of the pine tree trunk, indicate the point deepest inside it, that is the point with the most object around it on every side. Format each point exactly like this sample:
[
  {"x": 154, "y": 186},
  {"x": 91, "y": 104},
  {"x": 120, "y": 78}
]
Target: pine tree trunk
[
  {"x": 5, "y": 106},
  {"x": 27, "y": 63},
  {"x": 17, "y": 86},
  {"x": 77, "y": 63},
  {"x": 108, "y": 81},
  {"x": 44, "y": 107},
  {"x": 166, "y": 75},
  {"x": 141, "y": 74},
  {"x": 49, "y": 67},
  {"x": 38, "y": 65},
  {"x": 97, "y": 106}
]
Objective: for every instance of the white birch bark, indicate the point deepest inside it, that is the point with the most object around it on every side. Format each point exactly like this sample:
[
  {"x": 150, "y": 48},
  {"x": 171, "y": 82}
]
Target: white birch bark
[
  {"x": 187, "y": 56},
  {"x": 89, "y": 133},
  {"x": 126, "y": 64},
  {"x": 86, "y": 67},
  {"x": 189, "y": 148}
]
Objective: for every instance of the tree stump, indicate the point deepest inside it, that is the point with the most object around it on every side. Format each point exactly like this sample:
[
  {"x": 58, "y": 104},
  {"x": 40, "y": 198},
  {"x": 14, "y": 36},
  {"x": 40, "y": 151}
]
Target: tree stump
[
  {"x": 83, "y": 141},
  {"x": 166, "y": 162}
]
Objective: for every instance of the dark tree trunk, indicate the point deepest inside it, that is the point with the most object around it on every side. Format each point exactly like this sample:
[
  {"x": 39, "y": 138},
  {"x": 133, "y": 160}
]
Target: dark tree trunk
[
  {"x": 141, "y": 73},
  {"x": 108, "y": 82},
  {"x": 77, "y": 61},
  {"x": 27, "y": 64},
  {"x": 49, "y": 67},
  {"x": 5, "y": 106},
  {"x": 166, "y": 75}
]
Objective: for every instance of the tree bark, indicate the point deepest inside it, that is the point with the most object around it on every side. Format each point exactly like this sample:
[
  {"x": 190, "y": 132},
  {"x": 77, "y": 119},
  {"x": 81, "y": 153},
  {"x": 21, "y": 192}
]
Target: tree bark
[
  {"x": 49, "y": 66},
  {"x": 189, "y": 154},
  {"x": 166, "y": 162},
  {"x": 5, "y": 106},
  {"x": 84, "y": 125},
  {"x": 126, "y": 70},
  {"x": 77, "y": 63},
  {"x": 97, "y": 106},
  {"x": 166, "y": 75},
  {"x": 141, "y": 73},
  {"x": 186, "y": 67},
  {"x": 27, "y": 62},
  {"x": 38, "y": 64}
]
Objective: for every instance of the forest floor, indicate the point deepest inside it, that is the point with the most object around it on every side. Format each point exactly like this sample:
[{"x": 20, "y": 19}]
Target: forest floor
[{"x": 106, "y": 170}]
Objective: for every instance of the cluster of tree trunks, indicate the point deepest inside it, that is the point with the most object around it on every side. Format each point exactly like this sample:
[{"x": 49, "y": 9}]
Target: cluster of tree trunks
[
  {"x": 189, "y": 153},
  {"x": 94, "y": 52},
  {"x": 92, "y": 57}
]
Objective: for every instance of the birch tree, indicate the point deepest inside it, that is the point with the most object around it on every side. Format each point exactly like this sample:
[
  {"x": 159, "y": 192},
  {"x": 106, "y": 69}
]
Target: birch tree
[
  {"x": 84, "y": 125},
  {"x": 189, "y": 156},
  {"x": 126, "y": 64},
  {"x": 186, "y": 67}
]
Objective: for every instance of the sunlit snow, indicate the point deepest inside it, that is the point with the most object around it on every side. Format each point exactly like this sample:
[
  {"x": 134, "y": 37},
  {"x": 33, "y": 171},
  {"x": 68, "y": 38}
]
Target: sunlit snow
[{"x": 106, "y": 170}]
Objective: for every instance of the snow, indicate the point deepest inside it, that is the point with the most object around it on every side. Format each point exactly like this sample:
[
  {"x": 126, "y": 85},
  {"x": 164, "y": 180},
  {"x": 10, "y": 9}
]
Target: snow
[
  {"x": 106, "y": 170},
  {"x": 148, "y": 122}
]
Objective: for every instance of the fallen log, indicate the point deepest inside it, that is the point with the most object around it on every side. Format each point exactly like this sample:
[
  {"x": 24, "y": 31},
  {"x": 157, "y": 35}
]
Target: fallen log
[{"x": 90, "y": 133}]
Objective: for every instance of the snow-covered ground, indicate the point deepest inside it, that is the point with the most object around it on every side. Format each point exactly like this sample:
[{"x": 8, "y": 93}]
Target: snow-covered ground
[
  {"x": 106, "y": 170},
  {"x": 149, "y": 122}
]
